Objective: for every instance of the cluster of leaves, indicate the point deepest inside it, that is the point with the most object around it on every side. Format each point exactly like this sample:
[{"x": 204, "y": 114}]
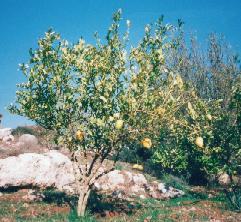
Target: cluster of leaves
[{"x": 75, "y": 88}]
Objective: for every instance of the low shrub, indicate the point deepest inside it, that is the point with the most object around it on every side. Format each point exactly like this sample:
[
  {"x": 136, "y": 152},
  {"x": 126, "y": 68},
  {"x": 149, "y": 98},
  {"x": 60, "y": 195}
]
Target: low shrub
[{"x": 20, "y": 130}]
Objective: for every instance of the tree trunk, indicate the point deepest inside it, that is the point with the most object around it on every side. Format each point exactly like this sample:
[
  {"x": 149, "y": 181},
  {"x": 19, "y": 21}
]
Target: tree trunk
[{"x": 83, "y": 199}]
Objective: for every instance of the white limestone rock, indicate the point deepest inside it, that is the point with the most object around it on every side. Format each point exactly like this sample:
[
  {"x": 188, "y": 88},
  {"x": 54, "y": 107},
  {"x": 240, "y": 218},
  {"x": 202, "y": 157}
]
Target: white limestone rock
[
  {"x": 53, "y": 169},
  {"x": 28, "y": 140}
]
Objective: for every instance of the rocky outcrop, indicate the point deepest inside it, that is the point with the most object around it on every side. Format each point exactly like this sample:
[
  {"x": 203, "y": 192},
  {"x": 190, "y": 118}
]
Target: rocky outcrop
[
  {"x": 5, "y": 132},
  {"x": 51, "y": 169},
  {"x": 5, "y": 135},
  {"x": 28, "y": 140},
  {"x": 224, "y": 179},
  {"x": 8, "y": 139},
  {"x": 55, "y": 170}
]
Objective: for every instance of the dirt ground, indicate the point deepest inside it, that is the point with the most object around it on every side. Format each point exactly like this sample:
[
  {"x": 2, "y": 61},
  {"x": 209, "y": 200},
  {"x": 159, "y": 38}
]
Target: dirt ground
[{"x": 15, "y": 206}]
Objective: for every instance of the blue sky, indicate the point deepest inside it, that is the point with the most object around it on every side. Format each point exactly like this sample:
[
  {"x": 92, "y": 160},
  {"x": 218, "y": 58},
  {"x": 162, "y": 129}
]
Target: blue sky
[{"x": 22, "y": 22}]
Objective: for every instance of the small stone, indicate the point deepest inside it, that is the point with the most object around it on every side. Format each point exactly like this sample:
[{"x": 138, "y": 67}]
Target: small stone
[
  {"x": 7, "y": 139},
  {"x": 164, "y": 190},
  {"x": 192, "y": 209},
  {"x": 97, "y": 186},
  {"x": 5, "y": 132},
  {"x": 155, "y": 195},
  {"x": 210, "y": 195},
  {"x": 224, "y": 179},
  {"x": 142, "y": 196},
  {"x": 118, "y": 194},
  {"x": 25, "y": 205},
  {"x": 111, "y": 214},
  {"x": 161, "y": 186}
]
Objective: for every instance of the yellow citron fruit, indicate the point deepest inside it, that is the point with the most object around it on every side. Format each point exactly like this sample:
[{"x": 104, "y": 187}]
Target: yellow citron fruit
[
  {"x": 119, "y": 124},
  {"x": 209, "y": 117},
  {"x": 199, "y": 142},
  {"x": 79, "y": 135},
  {"x": 137, "y": 167},
  {"x": 146, "y": 143}
]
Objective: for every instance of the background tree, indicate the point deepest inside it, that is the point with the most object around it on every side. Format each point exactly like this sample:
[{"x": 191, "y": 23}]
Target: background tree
[
  {"x": 77, "y": 91},
  {"x": 214, "y": 75}
]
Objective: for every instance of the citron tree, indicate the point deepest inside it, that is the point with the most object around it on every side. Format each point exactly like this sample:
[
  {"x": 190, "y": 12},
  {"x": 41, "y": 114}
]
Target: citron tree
[{"x": 78, "y": 90}]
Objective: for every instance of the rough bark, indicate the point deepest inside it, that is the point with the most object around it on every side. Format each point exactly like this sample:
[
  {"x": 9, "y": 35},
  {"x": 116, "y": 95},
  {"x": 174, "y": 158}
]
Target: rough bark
[
  {"x": 83, "y": 200},
  {"x": 85, "y": 177}
]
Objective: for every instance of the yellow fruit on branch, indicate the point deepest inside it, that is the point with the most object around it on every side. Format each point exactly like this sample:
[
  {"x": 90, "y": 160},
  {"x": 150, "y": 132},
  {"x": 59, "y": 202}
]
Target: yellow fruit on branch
[
  {"x": 146, "y": 143},
  {"x": 137, "y": 167},
  {"x": 79, "y": 135},
  {"x": 199, "y": 142},
  {"x": 119, "y": 124}
]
